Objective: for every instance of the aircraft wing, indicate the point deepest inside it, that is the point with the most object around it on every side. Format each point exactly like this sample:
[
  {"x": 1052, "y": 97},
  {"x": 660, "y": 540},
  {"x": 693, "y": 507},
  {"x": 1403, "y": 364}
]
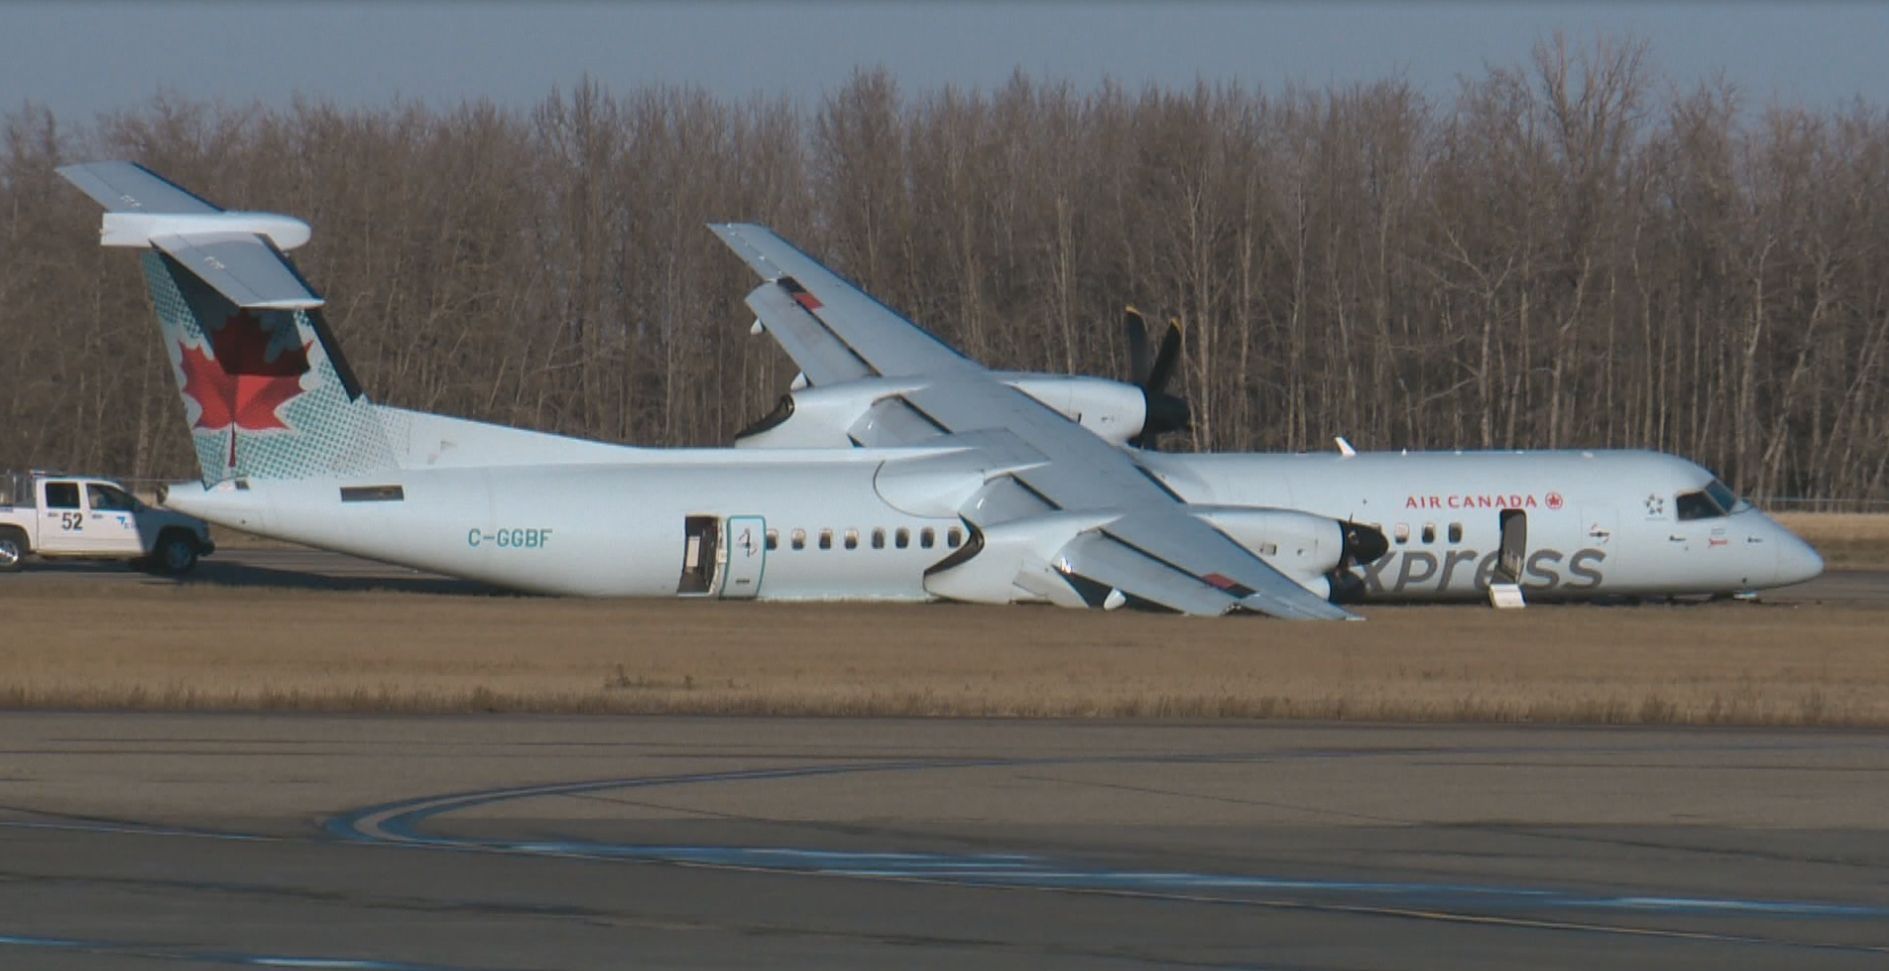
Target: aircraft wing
[
  {"x": 831, "y": 328},
  {"x": 1149, "y": 545},
  {"x": 1169, "y": 556}
]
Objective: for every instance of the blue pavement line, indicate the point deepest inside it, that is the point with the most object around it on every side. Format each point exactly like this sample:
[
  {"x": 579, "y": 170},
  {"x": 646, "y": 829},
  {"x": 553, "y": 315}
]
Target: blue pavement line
[
  {"x": 170, "y": 952},
  {"x": 401, "y": 823}
]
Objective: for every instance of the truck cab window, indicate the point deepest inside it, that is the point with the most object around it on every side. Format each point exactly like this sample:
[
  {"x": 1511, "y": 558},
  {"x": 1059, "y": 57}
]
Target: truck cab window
[{"x": 62, "y": 495}]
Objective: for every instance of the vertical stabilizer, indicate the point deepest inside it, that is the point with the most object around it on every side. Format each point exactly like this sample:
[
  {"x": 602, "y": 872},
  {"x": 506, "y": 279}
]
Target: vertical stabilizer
[{"x": 264, "y": 390}]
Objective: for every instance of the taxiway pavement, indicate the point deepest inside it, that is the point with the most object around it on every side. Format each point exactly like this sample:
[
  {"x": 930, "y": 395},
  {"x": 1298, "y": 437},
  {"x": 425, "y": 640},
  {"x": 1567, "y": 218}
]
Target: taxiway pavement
[{"x": 452, "y": 844}]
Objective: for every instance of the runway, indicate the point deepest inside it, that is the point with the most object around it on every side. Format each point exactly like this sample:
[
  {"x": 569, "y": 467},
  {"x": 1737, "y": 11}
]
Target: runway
[
  {"x": 323, "y": 570},
  {"x": 455, "y": 844}
]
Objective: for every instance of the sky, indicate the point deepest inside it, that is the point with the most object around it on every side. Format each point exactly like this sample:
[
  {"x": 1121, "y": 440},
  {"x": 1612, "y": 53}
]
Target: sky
[{"x": 80, "y": 58}]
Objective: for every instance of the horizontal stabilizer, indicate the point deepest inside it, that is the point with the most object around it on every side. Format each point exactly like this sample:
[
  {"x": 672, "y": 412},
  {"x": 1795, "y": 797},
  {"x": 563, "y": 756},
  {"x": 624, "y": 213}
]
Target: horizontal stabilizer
[
  {"x": 242, "y": 267},
  {"x": 130, "y": 187}
]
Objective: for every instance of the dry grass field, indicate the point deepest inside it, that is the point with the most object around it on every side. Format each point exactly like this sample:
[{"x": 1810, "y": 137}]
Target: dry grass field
[
  {"x": 1846, "y": 540},
  {"x": 76, "y": 645}
]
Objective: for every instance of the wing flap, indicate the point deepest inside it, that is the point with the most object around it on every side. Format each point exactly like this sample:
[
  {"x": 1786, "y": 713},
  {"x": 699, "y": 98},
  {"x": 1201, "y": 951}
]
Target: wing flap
[
  {"x": 242, "y": 267},
  {"x": 1108, "y": 563},
  {"x": 887, "y": 342},
  {"x": 1201, "y": 551},
  {"x": 822, "y": 357}
]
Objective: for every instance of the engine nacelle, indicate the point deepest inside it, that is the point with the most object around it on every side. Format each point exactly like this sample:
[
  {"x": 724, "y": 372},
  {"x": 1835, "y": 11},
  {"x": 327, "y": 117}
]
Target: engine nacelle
[
  {"x": 822, "y": 417},
  {"x": 1012, "y": 562},
  {"x": 1302, "y": 546},
  {"x": 1111, "y": 409},
  {"x": 841, "y": 415}
]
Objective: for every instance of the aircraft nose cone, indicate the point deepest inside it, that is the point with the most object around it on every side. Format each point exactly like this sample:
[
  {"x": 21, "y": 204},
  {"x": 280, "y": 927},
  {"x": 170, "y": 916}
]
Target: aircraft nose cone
[{"x": 1797, "y": 561}]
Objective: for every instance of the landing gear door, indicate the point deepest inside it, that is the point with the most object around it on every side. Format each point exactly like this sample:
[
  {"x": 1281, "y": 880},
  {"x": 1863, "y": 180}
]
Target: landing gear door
[
  {"x": 1508, "y": 566},
  {"x": 746, "y": 550}
]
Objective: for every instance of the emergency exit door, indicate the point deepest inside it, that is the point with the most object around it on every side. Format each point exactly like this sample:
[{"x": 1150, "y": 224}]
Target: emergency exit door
[{"x": 746, "y": 549}]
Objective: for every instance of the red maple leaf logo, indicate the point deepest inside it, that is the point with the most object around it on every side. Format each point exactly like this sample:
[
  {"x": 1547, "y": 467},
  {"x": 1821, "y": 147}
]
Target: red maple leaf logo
[{"x": 241, "y": 387}]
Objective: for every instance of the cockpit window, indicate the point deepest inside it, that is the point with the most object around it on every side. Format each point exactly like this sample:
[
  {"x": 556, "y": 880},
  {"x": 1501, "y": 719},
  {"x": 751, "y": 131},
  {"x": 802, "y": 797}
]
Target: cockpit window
[
  {"x": 1725, "y": 497},
  {"x": 1696, "y": 505}
]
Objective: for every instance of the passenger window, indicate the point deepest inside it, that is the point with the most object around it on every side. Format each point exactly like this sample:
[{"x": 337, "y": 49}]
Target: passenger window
[
  {"x": 1429, "y": 533},
  {"x": 953, "y": 537},
  {"x": 1456, "y": 532},
  {"x": 107, "y": 498},
  {"x": 902, "y": 538},
  {"x": 1401, "y": 533},
  {"x": 826, "y": 539},
  {"x": 800, "y": 539},
  {"x": 1696, "y": 505},
  {"x": 773, "y": 540},
  {"x": 852, "y": 539},
  {"x": 878, "y": 539},
  {"x": 926, "y": 538},
  {"x": 62, "y": 495}
]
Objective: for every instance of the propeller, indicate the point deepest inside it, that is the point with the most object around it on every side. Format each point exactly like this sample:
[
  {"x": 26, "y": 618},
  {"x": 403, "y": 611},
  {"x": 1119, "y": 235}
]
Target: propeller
[
  {"x": 1364, "y": 545},
  {"x": 1151, "y": 372}
]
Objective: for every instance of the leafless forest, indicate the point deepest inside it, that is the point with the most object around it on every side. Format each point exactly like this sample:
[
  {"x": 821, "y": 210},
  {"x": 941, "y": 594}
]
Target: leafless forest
[{"x": 1571, "y": 252}]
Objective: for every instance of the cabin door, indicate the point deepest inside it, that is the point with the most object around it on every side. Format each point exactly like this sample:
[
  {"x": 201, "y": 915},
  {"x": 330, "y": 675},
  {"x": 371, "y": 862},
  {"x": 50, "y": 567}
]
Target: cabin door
[
  {"x": 701, "y": 556},
  {"x": 746, "y": 550},
  {"x": 1514, "y": 551}
]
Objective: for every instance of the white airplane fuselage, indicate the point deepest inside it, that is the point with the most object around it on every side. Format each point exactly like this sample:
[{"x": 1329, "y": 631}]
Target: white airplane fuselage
[
  {"x": 899, "y": 469},
  {"x": 794, "y": 524}
]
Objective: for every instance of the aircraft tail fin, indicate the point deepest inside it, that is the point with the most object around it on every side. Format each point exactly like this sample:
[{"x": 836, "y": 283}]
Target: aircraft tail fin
[
  {"x": 265, "y": 389},
  {"x": 266, "y": 392}
]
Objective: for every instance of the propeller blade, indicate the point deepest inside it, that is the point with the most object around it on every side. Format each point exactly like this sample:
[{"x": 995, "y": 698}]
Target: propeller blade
[
  {"x": 1166, "y": 361},
  {"x": 1137, "y": 333},
  {"x": 1363, "y": 544}
]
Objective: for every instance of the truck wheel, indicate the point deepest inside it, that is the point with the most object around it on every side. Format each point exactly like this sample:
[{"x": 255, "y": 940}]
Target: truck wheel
[
  {"x": 175, "y": 554},
  {"x": 12, "y": 550}
]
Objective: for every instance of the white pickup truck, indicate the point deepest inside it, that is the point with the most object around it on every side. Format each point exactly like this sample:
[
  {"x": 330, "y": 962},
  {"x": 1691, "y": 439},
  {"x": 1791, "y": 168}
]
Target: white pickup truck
[{"x": 79, "y": 517}]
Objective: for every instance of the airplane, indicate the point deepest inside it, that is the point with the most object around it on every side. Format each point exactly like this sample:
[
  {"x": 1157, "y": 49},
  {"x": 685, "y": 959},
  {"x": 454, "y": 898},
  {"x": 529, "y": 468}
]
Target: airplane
[{"x": 896, "y": 468}]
